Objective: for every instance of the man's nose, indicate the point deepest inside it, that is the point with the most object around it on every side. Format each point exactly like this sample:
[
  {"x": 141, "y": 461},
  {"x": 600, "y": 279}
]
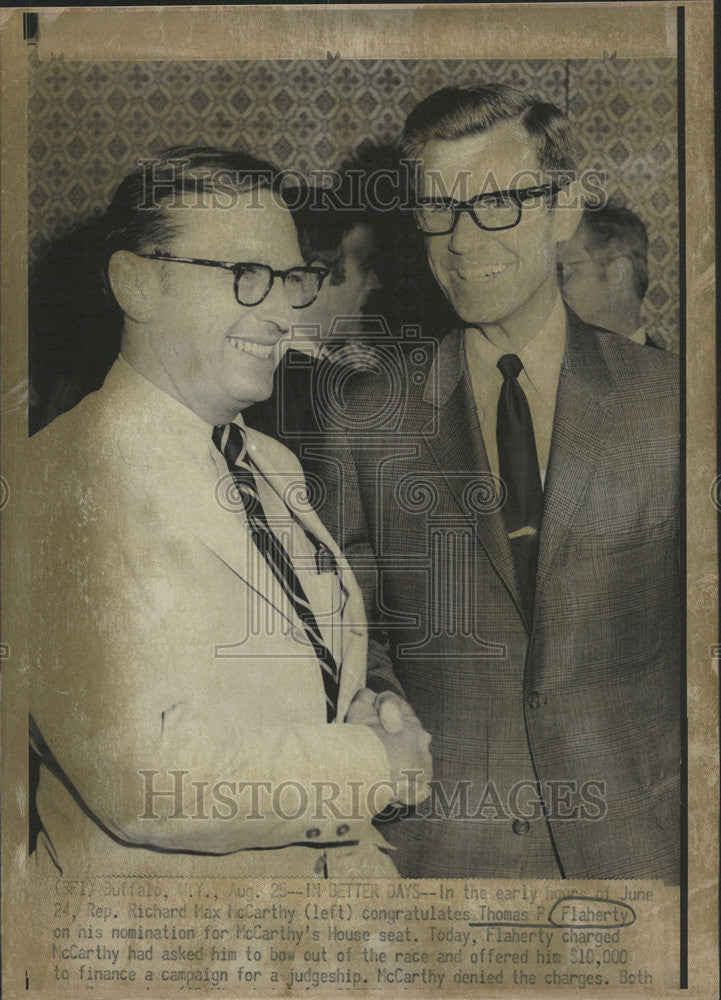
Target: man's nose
[
  {"x": 373, "y": 284},
  {"x": 276, "y": 309},
  {"x": 467, "y": 235}
]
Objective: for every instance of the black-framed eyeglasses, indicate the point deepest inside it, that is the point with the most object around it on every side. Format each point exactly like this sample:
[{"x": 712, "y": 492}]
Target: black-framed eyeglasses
[
  {"x": 254, "y": 281},
  {"x": 492, "y": 210}
]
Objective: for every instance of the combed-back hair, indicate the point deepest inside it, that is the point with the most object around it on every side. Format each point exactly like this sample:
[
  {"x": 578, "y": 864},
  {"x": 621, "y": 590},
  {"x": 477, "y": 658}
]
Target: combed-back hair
[
  {"x": 457, "y": 112},
  {"x": 139, "y": 218}
]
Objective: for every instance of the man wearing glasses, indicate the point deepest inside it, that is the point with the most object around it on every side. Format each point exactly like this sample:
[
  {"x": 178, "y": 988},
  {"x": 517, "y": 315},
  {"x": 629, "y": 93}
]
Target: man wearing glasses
[
  {"x": 196, "y": 641},
  {"x": 521, "y": 503}
]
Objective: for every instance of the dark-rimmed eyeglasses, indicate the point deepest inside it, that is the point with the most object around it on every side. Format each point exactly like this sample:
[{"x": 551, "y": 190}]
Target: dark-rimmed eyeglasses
[
  {"x": 254, "y": 281},
  {"x": 492, "y": 210}
]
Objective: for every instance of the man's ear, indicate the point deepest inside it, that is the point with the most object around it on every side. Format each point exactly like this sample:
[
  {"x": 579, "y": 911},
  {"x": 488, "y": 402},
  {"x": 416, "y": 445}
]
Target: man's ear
[
  {"x": 618, "y": 271},
  {"x": 567, "y": 211},
  {"x": 130, "y": 281}
]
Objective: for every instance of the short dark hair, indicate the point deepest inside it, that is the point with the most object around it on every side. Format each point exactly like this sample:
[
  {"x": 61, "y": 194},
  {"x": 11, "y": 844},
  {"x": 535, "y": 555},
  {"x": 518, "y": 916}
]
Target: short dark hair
[
  {"x": 322, "y": 227},
  {"x": 138, "y": 219},
  {"x": 457, "y": 112},
  {"x": 367, "y": 180},
  {"x": 609, "y": 232}
]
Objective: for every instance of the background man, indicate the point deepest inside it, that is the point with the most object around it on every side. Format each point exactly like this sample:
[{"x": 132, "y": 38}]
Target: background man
[
  {"x": 195, "y": 639},
  {"x": 520, "y": 497},
  {"x": 341, "y": 239},
  {"x": 326, "y": 341},
  {"x": 603, "y": 271}
]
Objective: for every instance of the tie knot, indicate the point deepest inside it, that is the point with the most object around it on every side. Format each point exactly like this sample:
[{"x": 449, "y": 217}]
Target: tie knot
[
  {"x": 510, "y": 365},
  {"x": 229, "y": 439}
]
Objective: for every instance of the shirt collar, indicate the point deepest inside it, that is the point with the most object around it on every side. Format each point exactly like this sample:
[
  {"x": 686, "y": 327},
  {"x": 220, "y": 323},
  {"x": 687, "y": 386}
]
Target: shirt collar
[{"x": 541, "y": 356}]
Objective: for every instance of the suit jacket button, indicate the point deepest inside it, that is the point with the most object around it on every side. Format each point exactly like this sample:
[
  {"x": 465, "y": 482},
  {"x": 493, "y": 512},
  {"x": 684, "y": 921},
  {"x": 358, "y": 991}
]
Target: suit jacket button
[
  {"x": 312, "y": 833},
  {"x": 343, "y": 829},
  {"x": 520, "y": 826},
  {"x": 325, "y": 560},
  {"x": 534, "y": 699}
]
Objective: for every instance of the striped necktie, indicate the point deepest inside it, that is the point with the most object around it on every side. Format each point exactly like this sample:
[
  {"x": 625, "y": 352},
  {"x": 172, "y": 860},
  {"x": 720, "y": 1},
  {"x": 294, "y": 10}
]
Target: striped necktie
[
  {"x": 230, "y": 442},
  {"x": 518, "y": 469}
]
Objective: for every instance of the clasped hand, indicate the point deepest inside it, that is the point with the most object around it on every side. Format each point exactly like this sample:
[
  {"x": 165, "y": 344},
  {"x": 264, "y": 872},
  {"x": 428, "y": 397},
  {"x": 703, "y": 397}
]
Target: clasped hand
[{"x": 403, "y": 737}]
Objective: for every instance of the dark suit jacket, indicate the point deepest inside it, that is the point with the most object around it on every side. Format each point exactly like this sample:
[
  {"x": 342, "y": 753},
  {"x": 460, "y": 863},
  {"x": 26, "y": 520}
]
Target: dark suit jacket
[{"x": 583, "y": 707}]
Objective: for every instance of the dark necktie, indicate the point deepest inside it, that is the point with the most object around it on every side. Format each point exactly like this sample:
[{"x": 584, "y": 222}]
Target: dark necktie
[
  {"x": 230, "y": 441},
  {"x": 518, "y": 469}
]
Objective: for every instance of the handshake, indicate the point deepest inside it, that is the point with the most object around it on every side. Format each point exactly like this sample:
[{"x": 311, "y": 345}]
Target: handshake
[{"x": 404, "y": 739}]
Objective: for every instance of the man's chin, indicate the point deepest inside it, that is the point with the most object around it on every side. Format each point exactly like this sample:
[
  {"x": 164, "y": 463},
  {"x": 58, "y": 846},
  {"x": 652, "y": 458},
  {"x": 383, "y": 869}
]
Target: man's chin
[
  {"x": 476, "y": 317},
  {"x": 246, "y": 395},
  {"x": 260, "y": 394}
]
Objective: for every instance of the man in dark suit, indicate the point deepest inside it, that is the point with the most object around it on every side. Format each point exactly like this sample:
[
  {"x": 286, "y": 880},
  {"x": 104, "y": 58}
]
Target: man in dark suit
[
  {"x": 511, "y": 511},
  {"x": 603, "y": 271}
]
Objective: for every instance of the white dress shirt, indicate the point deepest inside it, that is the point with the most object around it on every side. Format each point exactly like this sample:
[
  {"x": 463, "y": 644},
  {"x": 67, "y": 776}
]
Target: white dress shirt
[{"x": 541, "y": 358}]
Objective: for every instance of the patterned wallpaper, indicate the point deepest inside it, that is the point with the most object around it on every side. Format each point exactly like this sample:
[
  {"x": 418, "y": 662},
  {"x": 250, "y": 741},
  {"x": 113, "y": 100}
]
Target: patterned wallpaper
[{"x": 90, "y": 122}]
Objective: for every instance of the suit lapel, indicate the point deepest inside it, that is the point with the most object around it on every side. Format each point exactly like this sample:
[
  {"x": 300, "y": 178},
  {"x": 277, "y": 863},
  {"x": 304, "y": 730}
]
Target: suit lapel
[
  {"x": 453, "y": 437},
  {"x": 289, "y": 483},
  {"x": 581, "y": 426},
  {"x": 217, "y": 520},
  {"x": 178, "y": 485},
  {"x": 178, "y": 481}
]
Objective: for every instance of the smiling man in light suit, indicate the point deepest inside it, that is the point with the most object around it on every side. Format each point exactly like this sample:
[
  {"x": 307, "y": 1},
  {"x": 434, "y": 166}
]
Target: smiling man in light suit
[
  {"x": 195, "y": 640},
  {"x": 520, "y": 497}
]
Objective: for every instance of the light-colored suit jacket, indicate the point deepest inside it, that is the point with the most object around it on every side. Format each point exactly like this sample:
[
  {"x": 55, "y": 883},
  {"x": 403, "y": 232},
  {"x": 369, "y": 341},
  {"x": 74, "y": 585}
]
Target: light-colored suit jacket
[
  {"x": 577, "y": 714},
  {"x": 159, "y": 662}
]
